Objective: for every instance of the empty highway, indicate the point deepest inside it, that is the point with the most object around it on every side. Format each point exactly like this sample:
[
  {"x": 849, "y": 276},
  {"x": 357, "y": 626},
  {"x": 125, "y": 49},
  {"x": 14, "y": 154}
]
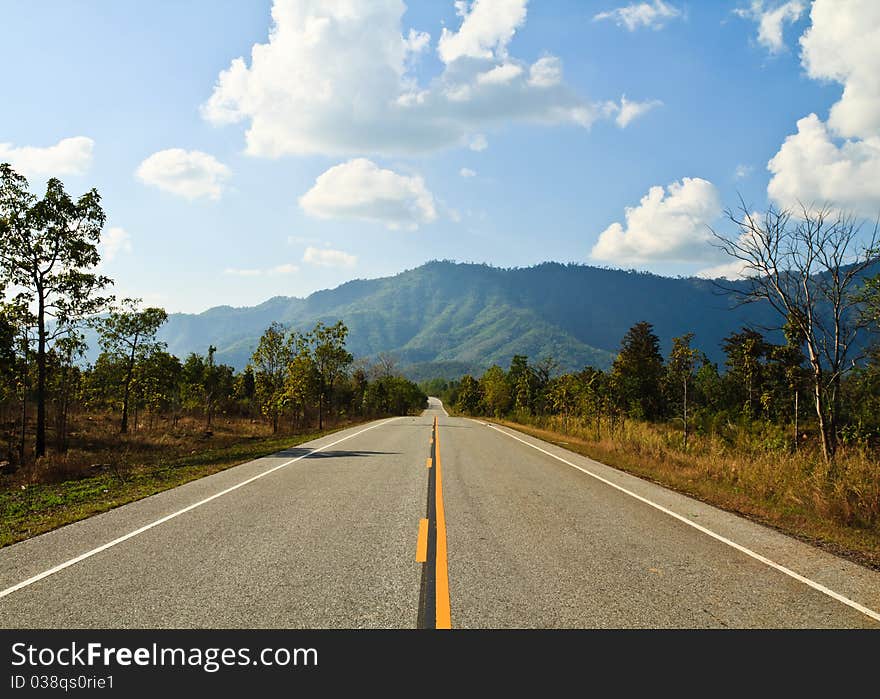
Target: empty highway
[{"x": 427, "y": 521}]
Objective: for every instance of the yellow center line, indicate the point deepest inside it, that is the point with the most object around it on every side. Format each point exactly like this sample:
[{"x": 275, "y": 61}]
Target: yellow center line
[
  {"x": 422, "y": 545},
  {"x": 444, "y": 614}
]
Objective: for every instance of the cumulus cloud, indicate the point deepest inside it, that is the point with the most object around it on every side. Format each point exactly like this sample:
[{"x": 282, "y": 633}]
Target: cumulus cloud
[
  {"x": 628, "y": 110},
  {"x": 812, "y": 168},
  {"x": 268, "y": 272},
  {"x": 545, "y": 72},
  {"x": 70, "y": 156},
  {"x": 361, "y": 190},
  {"x": 837, "y": 162},
  {"x": 487, "y": 27},
  {"x": 670, "y": 224},
  {"x": 325, "y": 257},
  {"x": 771, "y": 20},
  {"x": 335, "y": 79},
  {"x": 843, "y": 45},
  {"x": 189, "y": 174},
  {"x": 467, "y": 172},
  {"x": 113, "y": 242},
  {"x": 653, "y": 15}
]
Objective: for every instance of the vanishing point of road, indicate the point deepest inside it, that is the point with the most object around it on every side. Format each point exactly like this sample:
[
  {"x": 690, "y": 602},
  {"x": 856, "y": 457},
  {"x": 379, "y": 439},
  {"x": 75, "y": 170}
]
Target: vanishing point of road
[{"x": 428, "y": 521}]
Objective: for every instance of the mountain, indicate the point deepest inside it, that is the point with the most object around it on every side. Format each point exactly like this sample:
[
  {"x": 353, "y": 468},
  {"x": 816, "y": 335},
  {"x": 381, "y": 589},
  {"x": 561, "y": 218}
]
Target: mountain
[{"x": 446, "y": 318}]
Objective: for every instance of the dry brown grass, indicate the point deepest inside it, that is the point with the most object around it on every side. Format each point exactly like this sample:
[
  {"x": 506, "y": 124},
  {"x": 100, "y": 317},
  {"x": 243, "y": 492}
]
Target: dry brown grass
[{"x": 793, "y": 492}]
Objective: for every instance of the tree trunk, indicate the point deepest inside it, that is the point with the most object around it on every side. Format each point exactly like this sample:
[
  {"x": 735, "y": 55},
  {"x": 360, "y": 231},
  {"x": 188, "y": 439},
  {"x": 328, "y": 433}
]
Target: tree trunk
[
  {"x": 827, "y": 440},
  {"x": 40, "y": 449},
  {"x": 796, "y": 436},
  {"x": 321, "y": 410},
  {"x": 685, "y": 414},
  {"x": 123, "y": 428}
]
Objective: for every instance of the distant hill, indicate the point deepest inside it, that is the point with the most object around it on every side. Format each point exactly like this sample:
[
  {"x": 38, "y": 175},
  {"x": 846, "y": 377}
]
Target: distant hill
[{"x": 446, "y": 319}]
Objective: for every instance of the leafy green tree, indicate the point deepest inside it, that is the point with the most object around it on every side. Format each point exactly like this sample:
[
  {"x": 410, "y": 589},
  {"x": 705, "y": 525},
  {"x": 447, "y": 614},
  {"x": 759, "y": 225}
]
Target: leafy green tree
[
  {"x": 270, "y": 362},
  {"x": 746, "y": 351},
  {"x": 158, "y": 380},
  {"x": 129, "y": 334},
  {"x": 48, "y": 251},
  {"x": 680, "y": 374},
  {"x": 637, "y": 373},
  {"x": 564, "y": 393},
  {"x": 496, "y": 391},
  {"x": 301, "y": 382},
  {"x": 470, "y": 395},
  {"x": 595, "y": 395},
  {"x": 245, "y": 390},
  {"x": 64, "y": 380},
  {"x": 330, "y": 358}
]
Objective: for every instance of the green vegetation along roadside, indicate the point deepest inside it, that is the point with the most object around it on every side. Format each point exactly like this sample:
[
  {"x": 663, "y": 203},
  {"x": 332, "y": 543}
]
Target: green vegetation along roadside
[
  {"x": 27, "y": 510},
  {"x": 773, "y": 490}
]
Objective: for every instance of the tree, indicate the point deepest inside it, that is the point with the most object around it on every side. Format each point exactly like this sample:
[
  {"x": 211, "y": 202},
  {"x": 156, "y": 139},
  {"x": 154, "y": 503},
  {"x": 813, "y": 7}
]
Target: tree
[
  {"x": 330, "y": 359},
  {"x": 680, "y": 374},
  {"x": 64, "y": 379},
  {"x": 129, "y": 335},
  {"x": 496, "y": 391},
  {"x": 807, "y": 268},
  {"x": 48, "y": 249},
  {"x": 745, "y": 351},
  {"x": 270, "y": 362},
  {"x": 158, "y": 379},
  {"x": 470, "y": 395},
  {"x": 637, "y": 372}
]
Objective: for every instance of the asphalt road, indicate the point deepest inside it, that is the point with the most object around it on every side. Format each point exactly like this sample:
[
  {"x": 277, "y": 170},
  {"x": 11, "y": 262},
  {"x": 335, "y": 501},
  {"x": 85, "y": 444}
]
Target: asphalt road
[{"x": 325, "y": 536}]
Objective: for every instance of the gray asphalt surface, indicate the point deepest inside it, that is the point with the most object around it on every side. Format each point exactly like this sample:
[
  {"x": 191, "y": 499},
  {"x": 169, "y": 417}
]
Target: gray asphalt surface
[{"x": 329, "y": 541}]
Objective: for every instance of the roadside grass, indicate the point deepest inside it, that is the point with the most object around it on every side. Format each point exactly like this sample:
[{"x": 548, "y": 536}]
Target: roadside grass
[
  {"x": 791, "y": 492},
  {"x": 128, "y": 469}
]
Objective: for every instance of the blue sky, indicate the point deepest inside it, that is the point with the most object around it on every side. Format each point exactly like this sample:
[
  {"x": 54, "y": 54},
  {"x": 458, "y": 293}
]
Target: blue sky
[{"x": 352, "y": 147}]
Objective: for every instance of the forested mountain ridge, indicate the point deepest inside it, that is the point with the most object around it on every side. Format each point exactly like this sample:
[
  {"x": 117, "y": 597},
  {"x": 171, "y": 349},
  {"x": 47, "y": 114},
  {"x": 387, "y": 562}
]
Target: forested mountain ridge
[{"x": 447, "y": 318}]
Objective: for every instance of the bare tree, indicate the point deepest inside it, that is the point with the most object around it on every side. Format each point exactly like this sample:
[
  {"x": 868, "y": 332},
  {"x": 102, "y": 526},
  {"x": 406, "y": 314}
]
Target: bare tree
[{"x": 807, "y": 265}]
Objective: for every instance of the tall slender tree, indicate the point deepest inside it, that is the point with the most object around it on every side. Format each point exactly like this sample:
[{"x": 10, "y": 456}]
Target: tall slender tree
[
  {"x": 49, "y": 251},
  {"x": 129, "y": 334}
]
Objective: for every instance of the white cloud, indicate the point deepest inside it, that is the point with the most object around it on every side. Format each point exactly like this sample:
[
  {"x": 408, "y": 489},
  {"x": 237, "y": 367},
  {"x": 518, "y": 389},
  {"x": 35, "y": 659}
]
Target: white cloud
[
  {"x": 669, "y": 224},
  {"x": 70, "y": 156},
  {"x": 325, "y": 257},
  {"x": 189, "y": 174},
  {"x": 742, "y": 171},
  {"x": 837, "y": 162},
  {"x": 771, "y": 20},
  {"x": 729, "y": 270},
  {"x": 486, "y": 29},
  {"x": 545, "y": 72},
  {"x": 499, "y": 75},
  {"x": 643, "y": 14},
  {"x": 335, "y": 79},
  {"x": 467, "y": 172},
  {"x": 812, "y": 168},
  {"x": 359, "y": 189},
  {"x": 417, "y": 42},
  {"x": 628, "y": 110},
  {"x": 269, "y": 272},
  {"x": 478, "y": 143},
  {"x": 113, "y": 242},
  {"x": 843, "y": 44}
]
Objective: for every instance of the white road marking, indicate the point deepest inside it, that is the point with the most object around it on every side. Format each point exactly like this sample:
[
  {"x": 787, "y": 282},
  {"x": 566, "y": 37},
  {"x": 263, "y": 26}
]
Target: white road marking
[
  {"x": 147, "y": 527},
  {"x": 757, "y": 556}
]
